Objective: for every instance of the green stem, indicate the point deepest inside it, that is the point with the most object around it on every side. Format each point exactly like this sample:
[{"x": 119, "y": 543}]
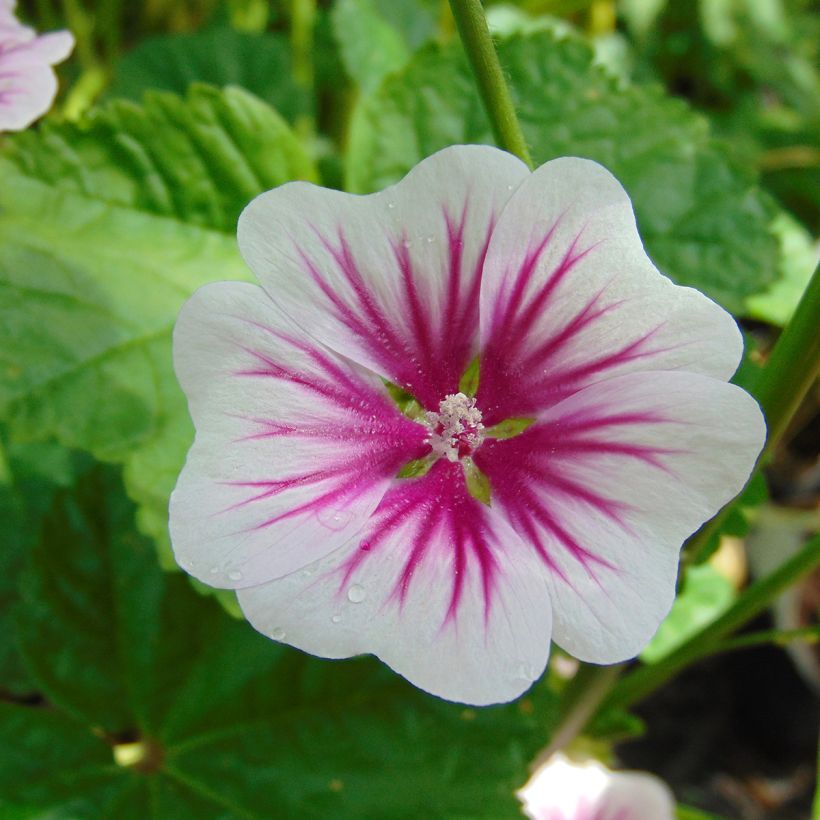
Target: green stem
[
  {"x": 302, "y": 20},
  {"x": 475, "y": 35},
  {"x": 793, "y": 365},
  {"x": 779, "y": 637},
  {"x": 579, "y": 703},
  {"x": 754, "y": 600},
  {"x": 791, "y": 370}
]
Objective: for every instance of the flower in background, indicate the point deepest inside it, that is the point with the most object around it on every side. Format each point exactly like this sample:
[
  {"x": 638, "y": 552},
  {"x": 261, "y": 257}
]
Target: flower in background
[
  {"x": 28, "y": 84},
  {"x": 562, "y": 790},
  {"x": 454, "y": 533}
]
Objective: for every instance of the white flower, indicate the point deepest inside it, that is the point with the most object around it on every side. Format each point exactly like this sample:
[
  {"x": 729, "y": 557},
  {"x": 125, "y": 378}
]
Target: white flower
[
  {"x": 293, "y": 491},
  {"x": 562, "y": 790},
  {"x": 28, "y": 84}
]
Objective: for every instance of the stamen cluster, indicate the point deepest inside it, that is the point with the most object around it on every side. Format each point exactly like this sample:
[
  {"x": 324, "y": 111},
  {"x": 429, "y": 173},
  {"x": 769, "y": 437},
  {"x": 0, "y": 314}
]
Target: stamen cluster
[{"x": 456, "y": 431}]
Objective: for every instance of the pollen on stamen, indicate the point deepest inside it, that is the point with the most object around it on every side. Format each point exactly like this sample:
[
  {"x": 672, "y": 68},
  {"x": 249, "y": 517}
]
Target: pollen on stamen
[{"x": 456, "y": 431}]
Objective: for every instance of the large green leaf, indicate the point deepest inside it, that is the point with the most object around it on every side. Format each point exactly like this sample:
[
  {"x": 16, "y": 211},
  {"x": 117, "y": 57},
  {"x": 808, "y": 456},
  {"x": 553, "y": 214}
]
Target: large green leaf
[
  {"x": 236, "y": 725},
  {"x": 30, "y": 474},
  {"x": 702, "y": 220},
  {"x": 106, "y": 227},
  {"x": 219, "y": 56}
]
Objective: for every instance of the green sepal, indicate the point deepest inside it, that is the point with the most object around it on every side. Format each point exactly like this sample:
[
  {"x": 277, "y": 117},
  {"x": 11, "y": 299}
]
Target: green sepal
[
  {"x": 478, "y": 485},
  {"x": 416, "y": 468},
  {"x": 405, "y": 401},
  {"x": 509, "y": 428},
  {"x": 469, "y": 381}
]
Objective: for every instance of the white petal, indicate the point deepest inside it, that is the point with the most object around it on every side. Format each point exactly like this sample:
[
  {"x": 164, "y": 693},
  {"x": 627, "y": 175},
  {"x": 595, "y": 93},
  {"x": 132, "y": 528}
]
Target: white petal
[
  {"x": 295, "y": 446},
  {"x": 606, "y": 487},
  {"x": 390, "y": 280},
  {"x": 569, "y": 297},
  {"x": 28, "y": 84},
  {"x": 438, "y": 587},
  {"x": 563, "y": 790}
]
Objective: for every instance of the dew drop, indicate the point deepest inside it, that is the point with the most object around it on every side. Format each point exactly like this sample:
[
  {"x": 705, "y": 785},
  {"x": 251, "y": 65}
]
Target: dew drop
[
  {"x": 277, "y": 634},
  {"x": 407, "y": 243},
  {"x": 391, "y": 205},
  {"x": 430, "y": 240},
  {"x": 213, "y": 570},
  {"x": 356, "y": 594},
  {"x": 235, "y": 575},
  {"x": 336, "y": 618},
  {"x": 335, "y": 520}
]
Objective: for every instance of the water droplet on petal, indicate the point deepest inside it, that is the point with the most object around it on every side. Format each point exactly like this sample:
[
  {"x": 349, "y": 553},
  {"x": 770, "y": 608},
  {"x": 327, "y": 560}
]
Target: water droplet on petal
[
  {"x": 213, "y": 570},
  {"x": 335, "y": 520},
  {"x": 336, "y": 618},
  {"x": 391, "y": 205},
  {"x": 356, "y": 594},
  {"x": 277, "y": 634},
  {"x": 430, "y": 240},
  {"x": 235, "y": 575}
]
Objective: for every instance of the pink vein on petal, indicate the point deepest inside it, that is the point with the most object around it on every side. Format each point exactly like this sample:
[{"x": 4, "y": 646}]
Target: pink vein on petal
[
  {"x": 425, "y": 340},
  {"x": 438, "y": 524},
  {"x": 361, "y": 438},
  {"x": 532, "y": 480}
]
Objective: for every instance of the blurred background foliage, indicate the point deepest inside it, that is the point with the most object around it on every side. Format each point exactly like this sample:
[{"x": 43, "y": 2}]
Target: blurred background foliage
[{"x": 124, "y": 691}]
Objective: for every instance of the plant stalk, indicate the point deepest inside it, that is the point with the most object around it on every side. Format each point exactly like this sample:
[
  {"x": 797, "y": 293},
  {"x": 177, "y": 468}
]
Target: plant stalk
[{"x": 495, "y": 94}]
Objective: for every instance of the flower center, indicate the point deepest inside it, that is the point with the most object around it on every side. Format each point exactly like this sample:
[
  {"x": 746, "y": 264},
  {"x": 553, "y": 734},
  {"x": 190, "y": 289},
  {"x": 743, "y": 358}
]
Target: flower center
[{"x": 456, "y": 430}]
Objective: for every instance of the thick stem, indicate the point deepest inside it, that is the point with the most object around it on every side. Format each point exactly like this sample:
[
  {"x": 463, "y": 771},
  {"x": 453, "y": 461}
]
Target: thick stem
[
  {"x": 472, "y": 27},
  {"x": 793, "y": 365}
]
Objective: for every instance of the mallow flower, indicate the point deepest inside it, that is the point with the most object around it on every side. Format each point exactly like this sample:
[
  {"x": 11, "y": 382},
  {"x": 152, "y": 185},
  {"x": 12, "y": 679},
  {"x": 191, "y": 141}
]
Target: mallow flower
[
  {"x": 564, "y": 790},
  {"x": 455, "y": 533},
  {"x": 28, "y": 84}
]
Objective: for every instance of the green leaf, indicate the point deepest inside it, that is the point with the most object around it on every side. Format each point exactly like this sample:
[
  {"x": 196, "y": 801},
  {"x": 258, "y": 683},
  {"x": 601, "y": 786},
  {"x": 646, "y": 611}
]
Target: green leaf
[
  {"x": 370, "y": 47},
  {"x": 220, "y": 56},
  {"x": 703, "y": 222},
  {"x": 52, "y": 766},
  {"x": 243, "y": 727},
  {"x": 30, "y": 474},
  {"x": 798, "y": 259},
  {"x": 106, "y": 227},
  {"x": 706, "y": 594}
]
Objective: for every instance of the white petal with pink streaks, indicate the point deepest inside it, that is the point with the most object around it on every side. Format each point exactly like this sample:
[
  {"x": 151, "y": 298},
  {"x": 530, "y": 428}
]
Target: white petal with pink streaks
[
  {"x": 28, "y": 83},
  {"x": 295, "y": 446},
  {"x": 392, "y": 279},
  {"x": 606, "y": 487},
  {"x": 438, "y": 586},
  {"x": 569, "y": 297}
]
